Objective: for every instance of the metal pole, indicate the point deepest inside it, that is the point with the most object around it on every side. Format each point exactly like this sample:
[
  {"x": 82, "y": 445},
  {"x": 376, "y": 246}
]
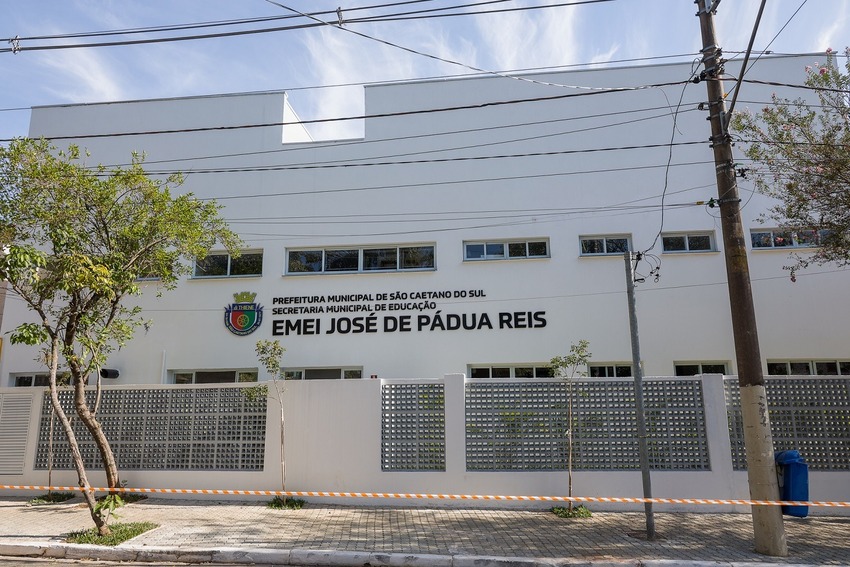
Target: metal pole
[
  {"x": 768, "y": 529},
  {"x": 637, "y": 373}
]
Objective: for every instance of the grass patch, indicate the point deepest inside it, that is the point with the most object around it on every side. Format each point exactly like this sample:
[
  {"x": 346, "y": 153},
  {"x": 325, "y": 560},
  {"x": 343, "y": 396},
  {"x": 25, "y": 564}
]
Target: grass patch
[
  {"x": 121, "y": 532},
  {"x": 126, "y": 497},
  {"x": 51, "y": 498},
  {"x": 279, "y": 503},
  {"x": 576, "y": 512}
]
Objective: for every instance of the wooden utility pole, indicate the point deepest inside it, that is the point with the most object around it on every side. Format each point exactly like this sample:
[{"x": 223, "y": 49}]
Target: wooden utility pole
[
  {"x": 637, "y": 374},
  {"x": 768, "y": 528}
]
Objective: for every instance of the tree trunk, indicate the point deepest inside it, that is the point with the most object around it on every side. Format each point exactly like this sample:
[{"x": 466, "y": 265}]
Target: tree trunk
[
  {"x": 76, "y": 456},
  {"x": 282, "y": 439},
  {"x": 570, "y": 444},
  {"x": 94, "y": 427}
]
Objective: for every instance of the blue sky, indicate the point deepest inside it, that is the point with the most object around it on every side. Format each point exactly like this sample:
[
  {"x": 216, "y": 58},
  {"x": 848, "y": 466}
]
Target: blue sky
[{"x": 307, "y": 61}]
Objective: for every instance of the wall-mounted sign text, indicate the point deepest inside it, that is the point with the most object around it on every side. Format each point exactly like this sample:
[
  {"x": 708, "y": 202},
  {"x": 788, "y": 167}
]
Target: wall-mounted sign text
[{"x": 369, "y": 314}]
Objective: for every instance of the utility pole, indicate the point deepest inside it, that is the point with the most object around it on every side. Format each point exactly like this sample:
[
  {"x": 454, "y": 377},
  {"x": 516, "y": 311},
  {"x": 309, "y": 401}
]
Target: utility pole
[
  {"x": 768, "y": 528},
  {"x": 637, "y": 374}
]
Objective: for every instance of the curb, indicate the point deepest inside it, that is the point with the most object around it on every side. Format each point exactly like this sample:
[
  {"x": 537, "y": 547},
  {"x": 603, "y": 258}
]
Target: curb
[{"x": 329, "y": 558}]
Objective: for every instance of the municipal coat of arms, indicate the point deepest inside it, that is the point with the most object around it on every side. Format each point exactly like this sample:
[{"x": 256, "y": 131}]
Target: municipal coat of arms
[{"x": 243, "y": 316}]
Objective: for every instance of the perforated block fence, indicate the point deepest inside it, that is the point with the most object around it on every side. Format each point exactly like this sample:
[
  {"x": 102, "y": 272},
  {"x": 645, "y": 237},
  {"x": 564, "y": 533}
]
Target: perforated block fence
[
  {"x": 413, "y": 427},
  {"x": 809, "y": 414},
  {"x": 525, "y": 425},
  {"x": 173, "y": 429}
]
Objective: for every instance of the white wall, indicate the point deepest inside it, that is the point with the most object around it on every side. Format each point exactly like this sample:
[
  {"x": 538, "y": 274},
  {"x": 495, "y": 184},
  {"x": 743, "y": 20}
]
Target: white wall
[{"x": 333, "y": 444}]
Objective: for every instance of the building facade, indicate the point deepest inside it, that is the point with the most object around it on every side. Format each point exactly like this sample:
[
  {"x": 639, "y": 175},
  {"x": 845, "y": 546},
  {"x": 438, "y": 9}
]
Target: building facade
[{"x": 478, "y": 227}]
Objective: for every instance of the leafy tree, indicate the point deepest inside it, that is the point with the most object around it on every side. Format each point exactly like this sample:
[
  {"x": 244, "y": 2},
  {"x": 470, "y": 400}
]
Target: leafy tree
[
  {"x": 568, "y": 367},
  {"x": 801, "y": 155},
  {"x": 76, "y": 241}
]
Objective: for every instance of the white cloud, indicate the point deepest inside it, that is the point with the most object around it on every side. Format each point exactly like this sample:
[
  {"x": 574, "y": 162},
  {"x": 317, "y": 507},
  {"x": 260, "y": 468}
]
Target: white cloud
[
  {"x": 833, "y": 33},
  {"x": 530, "y": 39},
  {"x": 81, "y": 75},
  {"x": 606, "y": 56}
]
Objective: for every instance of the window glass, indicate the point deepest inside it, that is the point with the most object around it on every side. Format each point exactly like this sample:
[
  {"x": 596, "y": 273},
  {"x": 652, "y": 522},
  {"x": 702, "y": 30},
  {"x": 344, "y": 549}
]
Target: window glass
[
  {"x": 616, "y": 245},
  {"x": 782, "y": 239},
  {"x": 511, "y": 372},
  {"x": 598, "y": 371},
  {"x": 417, "y": 257},
  {"x": 499, "y": 250},
  {"x": 761, "y": 239},
  {"x": 699, "y": 242},
  {"x": 352, "y": 374},
  {"x": 342, "y": 260},
  {"x": 623, "y": 371},
  {"x": 474, "y": 251},
  {"x": 322, "y": 373},
  {"x": 593, "y": 246},
  {"x": 673, "y": 243},
  {"x": 826, "y": 368},
  {"x": 800, "y": 368},
  {"x": 247, "y": 265},
  {"x": 495, "y": 250},
  {"x": 212, "y": 265},
  {"x": 604, "y": 245},
  {"x": 517, "y": 249},
  {"x": 844, "y": 367},
  {"x": 23, "y": 381},
  {"x": 183, "y": 378},
  {"x": 777, "y": 368},
  {"x": 305, "y": 261},
  {"x": 380, "y": 259},
  {"x": 699, "y": 368},
  {"x": 687, "y": 369},
  {"x": 246, "y": 376},
  {"x": 538, "y": 249},
  {"x": 807, "y": 238},
  {"x": 293, "y": 375},
  {"x": 215, "y": 377}
]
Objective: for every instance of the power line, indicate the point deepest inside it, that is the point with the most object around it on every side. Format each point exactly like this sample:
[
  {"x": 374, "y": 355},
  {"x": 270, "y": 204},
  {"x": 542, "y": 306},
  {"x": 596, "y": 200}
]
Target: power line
[
  {"x": 411, "y": 162},
  {"x": 17, "y": 48},
  {"x": 466, "y": 216},
  {"x": 430, "y": 55},
  {"x": 446, "y": 183},
  {"x": 365, "y": 142},
  {"x": 199, "y": 25},
  {"x": 548, "y": 68},
  {"x": 361, "y": 117}
]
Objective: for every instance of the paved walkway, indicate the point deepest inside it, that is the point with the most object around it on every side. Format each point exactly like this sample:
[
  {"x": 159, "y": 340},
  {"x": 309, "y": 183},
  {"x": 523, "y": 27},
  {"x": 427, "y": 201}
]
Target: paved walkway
[{"x": 245, "y": 532}]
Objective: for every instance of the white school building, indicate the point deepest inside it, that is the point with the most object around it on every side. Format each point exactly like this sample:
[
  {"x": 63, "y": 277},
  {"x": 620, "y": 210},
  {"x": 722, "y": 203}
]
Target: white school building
[
  {"x": 477, "y": 228},
  {"x": 474, "y": 231}
]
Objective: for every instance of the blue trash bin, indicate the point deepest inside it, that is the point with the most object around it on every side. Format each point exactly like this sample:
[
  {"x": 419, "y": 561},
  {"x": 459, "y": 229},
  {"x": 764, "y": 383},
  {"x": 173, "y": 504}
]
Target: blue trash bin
[{"x": 793, "y": 475}]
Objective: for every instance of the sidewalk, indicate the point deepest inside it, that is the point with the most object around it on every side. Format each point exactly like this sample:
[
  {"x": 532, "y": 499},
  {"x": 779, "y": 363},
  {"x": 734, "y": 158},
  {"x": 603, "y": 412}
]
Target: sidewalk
[{"x": 200, "y": 531}]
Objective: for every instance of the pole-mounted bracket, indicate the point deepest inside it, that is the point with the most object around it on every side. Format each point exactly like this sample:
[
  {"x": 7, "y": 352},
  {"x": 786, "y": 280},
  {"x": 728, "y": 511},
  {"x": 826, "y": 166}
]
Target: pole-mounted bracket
[
  {"x": 712, "y": 203},
  {"x": 720, "y": 139},
  {"x": 710, "y": 7}
]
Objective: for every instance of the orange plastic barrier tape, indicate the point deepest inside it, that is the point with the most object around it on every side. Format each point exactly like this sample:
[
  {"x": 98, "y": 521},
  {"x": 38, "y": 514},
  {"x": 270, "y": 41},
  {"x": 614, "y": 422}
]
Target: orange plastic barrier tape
[{"x": 608, "y": 499}]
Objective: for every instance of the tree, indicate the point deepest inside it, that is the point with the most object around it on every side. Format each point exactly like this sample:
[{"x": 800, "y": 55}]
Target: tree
[
  {"x": 801, "y": 156},
  {"x": 76, "y": 241},
  {"x": 569, "y": 367},
  {"x": 270, "y": 355}
]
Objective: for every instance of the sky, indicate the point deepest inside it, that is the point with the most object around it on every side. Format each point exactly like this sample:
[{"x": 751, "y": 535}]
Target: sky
[{"x": 311, "y": 63}]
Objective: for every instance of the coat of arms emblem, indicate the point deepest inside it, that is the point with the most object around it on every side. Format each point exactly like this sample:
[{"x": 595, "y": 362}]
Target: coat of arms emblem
[{"x": 243, "y": 316}]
